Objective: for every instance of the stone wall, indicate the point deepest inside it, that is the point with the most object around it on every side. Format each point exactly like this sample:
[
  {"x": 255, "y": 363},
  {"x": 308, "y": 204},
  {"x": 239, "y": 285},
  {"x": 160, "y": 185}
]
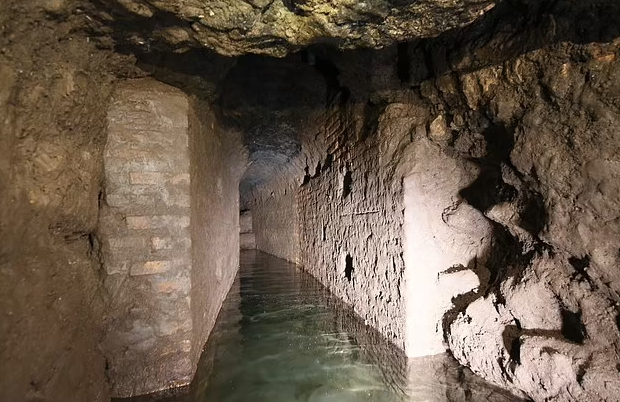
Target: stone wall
[
  {"x": 350, "y": 219},
  {"x": 247, "y": 239},
  {"x": 145, "y": 229},
  {"x": 546, "y": 323},
  {"x": 275, "y": 225},
  {"x": 169, "y": 224},
  {"x": 476, "y": 208},
  {"x": 217, "y": 162}
]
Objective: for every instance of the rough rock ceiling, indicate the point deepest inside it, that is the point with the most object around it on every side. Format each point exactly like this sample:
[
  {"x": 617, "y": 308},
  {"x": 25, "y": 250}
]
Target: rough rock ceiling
[
  {"x": 271, "y": 103},
  {"x": 278, "y": 27}
]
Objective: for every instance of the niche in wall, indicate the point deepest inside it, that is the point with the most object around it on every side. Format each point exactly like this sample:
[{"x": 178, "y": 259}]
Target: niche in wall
[
  {"x": 347, "y": 181},
  {"x": 348, "y": 267}
]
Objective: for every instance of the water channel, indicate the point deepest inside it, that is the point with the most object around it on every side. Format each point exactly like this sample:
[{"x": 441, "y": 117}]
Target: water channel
[{"x": 282, "y": 337}]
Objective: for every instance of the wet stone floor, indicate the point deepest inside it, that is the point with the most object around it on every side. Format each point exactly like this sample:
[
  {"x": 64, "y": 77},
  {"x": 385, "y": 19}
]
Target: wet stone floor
[{"x": 281, "y": 337}]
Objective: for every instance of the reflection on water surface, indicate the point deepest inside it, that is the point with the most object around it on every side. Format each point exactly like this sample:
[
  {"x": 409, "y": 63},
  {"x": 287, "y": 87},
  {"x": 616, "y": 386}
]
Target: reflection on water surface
[{"x": 281, "y": 337}]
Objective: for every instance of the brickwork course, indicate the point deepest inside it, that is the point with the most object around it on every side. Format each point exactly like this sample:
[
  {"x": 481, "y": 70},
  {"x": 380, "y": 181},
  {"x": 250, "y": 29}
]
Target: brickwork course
[{"x": 163, "y": 270}]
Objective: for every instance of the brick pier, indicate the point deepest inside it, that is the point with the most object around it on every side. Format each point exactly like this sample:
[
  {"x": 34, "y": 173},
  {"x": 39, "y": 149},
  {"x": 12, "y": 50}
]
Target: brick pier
[{"x": 147, "y": 225}]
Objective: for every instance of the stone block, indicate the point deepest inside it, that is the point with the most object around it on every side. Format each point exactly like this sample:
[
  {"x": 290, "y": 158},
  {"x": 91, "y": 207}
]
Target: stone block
[
  {"x": 133, "y": 203},
  {"x": 151, "y": 267},
  {"x": 116, "y": 200},
  {"x": 181, "y": 178},
  {"x": 144, "y": 114},
  {"x": 118, "y": 251},
  {"x": 116, "y": 267},
  {"x": 147, "y": 178},
  {"x": 126, "y": 243},
  {"x": 157, "y": 221},
  {"x": 181, "y": 285},
  {"x": 161, "y": 243},
  {"x": 116, "y": 165},
  {"x": 119, "y": 155},
  {"x": 122, "y": 138}
]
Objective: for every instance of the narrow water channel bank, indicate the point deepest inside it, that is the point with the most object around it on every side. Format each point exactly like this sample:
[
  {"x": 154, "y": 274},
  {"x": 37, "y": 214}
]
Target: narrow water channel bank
[{"x": 281, "y": 336}]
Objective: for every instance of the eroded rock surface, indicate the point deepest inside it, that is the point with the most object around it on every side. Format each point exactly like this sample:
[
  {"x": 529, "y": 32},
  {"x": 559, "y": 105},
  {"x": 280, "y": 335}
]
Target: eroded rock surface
[
  {"x": 277, "y": 27},
  {"x": 533, "y": 105}
]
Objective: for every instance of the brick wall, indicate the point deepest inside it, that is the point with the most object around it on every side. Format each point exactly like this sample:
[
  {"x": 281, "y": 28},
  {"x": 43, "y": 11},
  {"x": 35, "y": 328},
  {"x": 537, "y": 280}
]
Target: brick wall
[
  {"x": 145, "y": 227},
  {"x": 350, "y": 222},
  {"x": 344, "y": 225},
  {"x": 169, "y": 228}
]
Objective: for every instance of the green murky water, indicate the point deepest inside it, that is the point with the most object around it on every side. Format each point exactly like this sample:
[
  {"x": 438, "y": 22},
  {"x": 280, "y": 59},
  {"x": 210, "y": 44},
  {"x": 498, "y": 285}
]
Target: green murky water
[{"x": 281, "y": 337}]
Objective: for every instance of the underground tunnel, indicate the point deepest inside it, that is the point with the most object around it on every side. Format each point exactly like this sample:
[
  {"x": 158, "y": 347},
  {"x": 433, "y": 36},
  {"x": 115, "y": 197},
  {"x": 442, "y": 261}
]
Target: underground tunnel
[{"x": 303, "y": 200}]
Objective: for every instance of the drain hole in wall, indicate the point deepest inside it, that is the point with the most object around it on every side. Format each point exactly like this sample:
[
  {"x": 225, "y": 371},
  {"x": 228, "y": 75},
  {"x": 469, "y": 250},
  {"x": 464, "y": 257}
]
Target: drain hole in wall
[
  {"x": 572, "y": 326},
  {"x": 515, "y": 350},
  {"x": 348, "y": 267},
  {"x": 347, "y": 180},
  {"x": 618, "y": 322}
]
